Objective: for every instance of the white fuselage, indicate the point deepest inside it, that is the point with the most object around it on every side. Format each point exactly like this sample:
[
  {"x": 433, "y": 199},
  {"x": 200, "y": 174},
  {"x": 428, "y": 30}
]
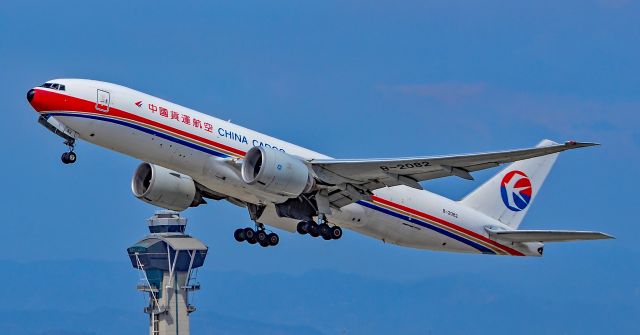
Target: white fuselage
[{"x": 208, "y": 149}]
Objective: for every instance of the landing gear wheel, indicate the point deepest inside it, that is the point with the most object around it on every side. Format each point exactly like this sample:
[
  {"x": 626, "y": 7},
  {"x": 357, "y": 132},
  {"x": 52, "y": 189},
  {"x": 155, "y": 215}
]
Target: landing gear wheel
[
  {"x": 264, "y": 243},
  {"x": 302, "y": 227},
  {"x": 239, "y": 235},
  {"x": 312, "y": 229},
  {"x": 68, "y": 157},
  {"x": 250, "y": 235},
  {"x": 325, "y": 231},
  {"x": 273, "y": 239},
  {"x": 336, "y": 232},
  {"x": 261, "y": 237}
]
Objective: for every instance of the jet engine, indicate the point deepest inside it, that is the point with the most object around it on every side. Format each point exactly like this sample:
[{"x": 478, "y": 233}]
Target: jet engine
[
  {"x": 276, "y": 172},
  {"x": 165, "y": 188}
]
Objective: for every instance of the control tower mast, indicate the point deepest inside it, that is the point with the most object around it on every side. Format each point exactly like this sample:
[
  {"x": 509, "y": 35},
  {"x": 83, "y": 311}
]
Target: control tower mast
[{"x": 166, "y": 259}]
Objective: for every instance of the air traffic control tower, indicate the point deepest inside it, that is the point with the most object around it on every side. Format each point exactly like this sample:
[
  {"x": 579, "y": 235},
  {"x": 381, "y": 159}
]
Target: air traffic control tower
[{"x": 167, "y": 258}]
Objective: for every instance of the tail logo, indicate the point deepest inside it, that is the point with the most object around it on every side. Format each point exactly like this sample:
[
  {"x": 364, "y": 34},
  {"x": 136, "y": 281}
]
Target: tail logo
[{"x": 516, "y": 191}]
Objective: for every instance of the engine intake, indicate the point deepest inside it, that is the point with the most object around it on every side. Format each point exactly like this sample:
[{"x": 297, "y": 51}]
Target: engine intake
[
  {"x": 165, "y": 188},
  {"x": 276, "y": 172}
]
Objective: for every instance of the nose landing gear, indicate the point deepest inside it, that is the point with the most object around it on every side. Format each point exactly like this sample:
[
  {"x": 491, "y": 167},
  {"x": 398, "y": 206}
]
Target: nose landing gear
[
  {"x": 70, "y": 156},
  {"x": 55, "y": 127}
]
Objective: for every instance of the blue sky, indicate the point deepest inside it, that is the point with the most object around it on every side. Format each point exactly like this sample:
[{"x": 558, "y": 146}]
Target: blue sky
[{"x": 349, "y": 79}]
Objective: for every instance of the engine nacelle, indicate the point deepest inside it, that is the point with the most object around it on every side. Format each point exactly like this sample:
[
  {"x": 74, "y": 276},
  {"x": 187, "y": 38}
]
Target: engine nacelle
[
  {"x": 165, "y": 188},
  {"x": 276, "y": 172}
]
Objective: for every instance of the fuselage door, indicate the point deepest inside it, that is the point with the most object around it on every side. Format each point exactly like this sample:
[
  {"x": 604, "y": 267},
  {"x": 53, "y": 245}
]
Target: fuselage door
[{"x": 103, "y": 100}]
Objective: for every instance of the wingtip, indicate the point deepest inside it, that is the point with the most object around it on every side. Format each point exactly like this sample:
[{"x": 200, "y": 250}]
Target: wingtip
[
  {"x": 575, "y": 144},
  {"x": 602, "y": 236},
  {"x": 607, "y": 236}
]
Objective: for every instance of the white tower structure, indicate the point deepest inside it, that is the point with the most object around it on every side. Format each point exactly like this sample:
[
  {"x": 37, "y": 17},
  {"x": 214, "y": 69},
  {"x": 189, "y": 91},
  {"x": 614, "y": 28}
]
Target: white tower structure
[{"x": 166, "y": 259}]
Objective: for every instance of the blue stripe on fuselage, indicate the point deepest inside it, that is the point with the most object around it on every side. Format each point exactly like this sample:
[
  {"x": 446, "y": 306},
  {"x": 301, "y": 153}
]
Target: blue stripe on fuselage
[
  {"x": 442, "y": 231},
  {"x": 447, "y": 233},
  {"x": 146, "y": 130}
]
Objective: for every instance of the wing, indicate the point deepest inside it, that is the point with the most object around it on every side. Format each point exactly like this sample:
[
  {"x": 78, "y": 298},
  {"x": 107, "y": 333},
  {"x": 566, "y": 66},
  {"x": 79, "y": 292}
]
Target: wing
[
  {"x": 547, "y": 235},
  {"x": 355, "y": 179}
]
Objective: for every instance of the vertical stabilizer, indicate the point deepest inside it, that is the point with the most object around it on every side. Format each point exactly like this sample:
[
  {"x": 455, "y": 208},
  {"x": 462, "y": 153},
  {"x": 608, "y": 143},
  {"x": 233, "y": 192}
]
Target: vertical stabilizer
[{"x": 508, "y": 195}]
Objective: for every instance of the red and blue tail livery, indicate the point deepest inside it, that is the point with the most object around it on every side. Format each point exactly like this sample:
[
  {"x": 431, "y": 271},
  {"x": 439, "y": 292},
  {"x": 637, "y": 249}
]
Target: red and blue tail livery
[{"x": 516, "y": 190}]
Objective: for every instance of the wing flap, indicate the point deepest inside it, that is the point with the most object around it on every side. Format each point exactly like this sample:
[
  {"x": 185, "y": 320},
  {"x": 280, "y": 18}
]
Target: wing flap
[{"x": 547, "y": 235}]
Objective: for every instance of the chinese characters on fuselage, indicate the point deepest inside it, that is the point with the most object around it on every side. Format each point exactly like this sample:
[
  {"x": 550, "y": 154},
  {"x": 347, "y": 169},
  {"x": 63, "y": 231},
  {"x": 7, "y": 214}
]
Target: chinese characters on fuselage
[{"x": 206, "y": 126}]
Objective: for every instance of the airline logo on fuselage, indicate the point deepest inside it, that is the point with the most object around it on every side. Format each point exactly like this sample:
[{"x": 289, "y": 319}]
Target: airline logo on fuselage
[
  {"x": 516, "y": 190},
  {"x": 195, "y": 122}
]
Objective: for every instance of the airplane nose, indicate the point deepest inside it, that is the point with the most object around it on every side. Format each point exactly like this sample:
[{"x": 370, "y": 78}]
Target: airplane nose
[{"x": 30, "y": 94}]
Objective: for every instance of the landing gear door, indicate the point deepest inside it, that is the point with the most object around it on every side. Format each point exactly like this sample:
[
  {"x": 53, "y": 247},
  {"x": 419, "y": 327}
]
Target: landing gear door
[{"x": 103, "y": 100}]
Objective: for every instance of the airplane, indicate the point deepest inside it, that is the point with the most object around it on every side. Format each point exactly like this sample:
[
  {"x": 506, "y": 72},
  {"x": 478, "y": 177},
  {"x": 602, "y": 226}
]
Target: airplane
[{"x": 189, "y": 157}]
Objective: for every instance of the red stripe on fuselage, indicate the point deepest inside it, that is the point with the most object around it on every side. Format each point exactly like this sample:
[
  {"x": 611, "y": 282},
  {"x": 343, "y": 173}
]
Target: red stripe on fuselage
[
  {"x": 446, "y": 223},
  {"x": 47, "y": 101}
]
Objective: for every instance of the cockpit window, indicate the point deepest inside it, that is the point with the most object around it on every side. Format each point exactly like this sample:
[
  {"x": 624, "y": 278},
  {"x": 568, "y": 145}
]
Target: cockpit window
[{"x": 54, "y": 86}]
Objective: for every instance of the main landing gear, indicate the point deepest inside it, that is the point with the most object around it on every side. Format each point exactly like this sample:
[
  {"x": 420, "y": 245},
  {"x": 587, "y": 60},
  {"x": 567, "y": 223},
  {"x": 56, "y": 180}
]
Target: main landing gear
[
  {"x": 308, "y": 226},
  {"x": 70, "y": 156},
  {"x": 259, "y": 236},
  {"x": 313, "y": 229}
]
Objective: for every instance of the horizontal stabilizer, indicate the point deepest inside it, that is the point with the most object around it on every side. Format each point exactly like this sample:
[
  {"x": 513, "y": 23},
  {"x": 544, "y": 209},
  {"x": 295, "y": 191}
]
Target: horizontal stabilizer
[{"x": 546, "y": 235}]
